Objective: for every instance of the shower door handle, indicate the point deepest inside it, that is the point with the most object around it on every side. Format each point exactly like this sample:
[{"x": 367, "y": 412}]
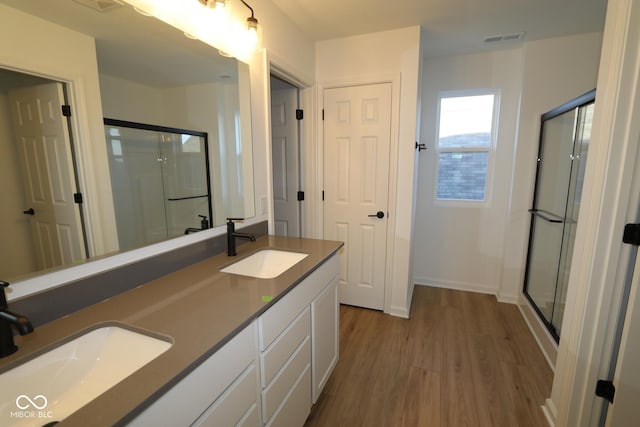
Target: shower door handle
[{"x": 546, "y": 216}]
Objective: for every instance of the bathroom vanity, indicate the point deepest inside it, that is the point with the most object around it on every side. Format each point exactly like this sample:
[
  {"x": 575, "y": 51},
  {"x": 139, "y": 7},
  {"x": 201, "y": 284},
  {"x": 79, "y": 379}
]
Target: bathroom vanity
[{"x": 243, "y": 350}]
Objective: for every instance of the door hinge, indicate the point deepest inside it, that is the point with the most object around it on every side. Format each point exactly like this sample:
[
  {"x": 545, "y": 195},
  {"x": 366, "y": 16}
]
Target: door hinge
[
  {"x": 606, "y": 390},
  {"x": 66, "y": 110},
  {"x": 77, "y": 198},
  {"x": 323, "y": 195},
  {"x": 631, "y": 234},
  {"x": 300, "y": 196},
  {"x": 323, "y": 114},
  {"x": 299, "y": 114}
]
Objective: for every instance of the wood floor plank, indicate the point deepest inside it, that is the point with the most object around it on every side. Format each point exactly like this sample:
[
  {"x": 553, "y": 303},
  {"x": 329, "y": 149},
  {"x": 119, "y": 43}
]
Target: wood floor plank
[
  {"x": 463, "y": 359},
  {"x": 457, "y": 389},
  {"x": 422, "y": 399}
]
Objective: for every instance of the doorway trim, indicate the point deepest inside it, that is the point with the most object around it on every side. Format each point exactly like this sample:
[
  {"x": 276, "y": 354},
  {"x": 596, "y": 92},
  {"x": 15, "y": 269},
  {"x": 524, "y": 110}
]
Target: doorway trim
[
  {"x": 394, "y": 79},
  {"x": 307, "y": 144}
]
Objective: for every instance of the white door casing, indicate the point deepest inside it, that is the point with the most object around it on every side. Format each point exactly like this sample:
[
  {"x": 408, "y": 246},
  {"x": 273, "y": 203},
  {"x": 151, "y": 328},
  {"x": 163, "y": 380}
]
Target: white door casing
[
  {"x": 44, "y": 148},
  {"x": 285, "y": 160},
  {"x": 357, "y": 140}
]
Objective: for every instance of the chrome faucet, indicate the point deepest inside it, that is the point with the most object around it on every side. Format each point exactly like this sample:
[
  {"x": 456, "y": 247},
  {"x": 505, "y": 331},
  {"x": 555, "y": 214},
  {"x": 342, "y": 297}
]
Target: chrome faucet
[
  {"x": 8, "y": 318},
  {"x": 232, "y": 234}
]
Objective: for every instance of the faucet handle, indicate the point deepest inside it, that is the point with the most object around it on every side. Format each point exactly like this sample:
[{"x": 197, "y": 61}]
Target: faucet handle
[
  {"x": 4, "y": 284},
  {"x": 235, "y": 219}
]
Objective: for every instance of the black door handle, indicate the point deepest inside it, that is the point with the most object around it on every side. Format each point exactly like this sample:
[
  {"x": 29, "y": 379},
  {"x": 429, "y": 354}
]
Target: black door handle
[
  {"x": 378, "y": 214},
  {"x": 29, "y": 211}
]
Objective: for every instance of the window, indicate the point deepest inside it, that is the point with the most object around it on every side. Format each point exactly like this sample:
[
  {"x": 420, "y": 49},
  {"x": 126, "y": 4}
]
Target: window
[{"x": 464, "y": 142}]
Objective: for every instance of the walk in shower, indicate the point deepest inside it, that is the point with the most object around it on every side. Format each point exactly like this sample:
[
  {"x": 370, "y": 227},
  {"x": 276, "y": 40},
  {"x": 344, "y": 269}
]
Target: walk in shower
[
  {"x": 160, "y": 181},
  {"x": 562, "y": 155}
]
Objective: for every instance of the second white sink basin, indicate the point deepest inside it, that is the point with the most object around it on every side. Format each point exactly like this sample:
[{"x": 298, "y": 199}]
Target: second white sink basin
[
  {"x": 52, "y": 386},
  {"x": 265, "y": 264}
]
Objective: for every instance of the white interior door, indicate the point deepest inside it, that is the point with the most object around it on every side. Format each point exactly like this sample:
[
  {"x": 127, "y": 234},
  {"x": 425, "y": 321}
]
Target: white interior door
[
  {"x": 285, "y": 157},
  {"x": 44, "y": 149},
  {"x": 357, "y": 137}
]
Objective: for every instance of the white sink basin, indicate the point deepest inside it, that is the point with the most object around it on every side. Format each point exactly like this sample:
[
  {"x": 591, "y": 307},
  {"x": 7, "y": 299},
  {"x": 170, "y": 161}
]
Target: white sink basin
[
  {"x": 55, "y": 384},
  {"x": 265, "y": 264}
]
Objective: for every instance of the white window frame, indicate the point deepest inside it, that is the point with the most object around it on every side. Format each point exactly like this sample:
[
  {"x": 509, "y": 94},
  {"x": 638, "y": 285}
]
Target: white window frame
[{"x": 488, "y": 191}]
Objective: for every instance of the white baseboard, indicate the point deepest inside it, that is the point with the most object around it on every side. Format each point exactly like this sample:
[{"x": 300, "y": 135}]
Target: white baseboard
[
  {"x": 550, "y": 412},
  {"x": 399, "y": 312},
  {"x": 460, "y": 286},
  {"x": 507, "y": 298},
  {"x": 545, "y": 341}
]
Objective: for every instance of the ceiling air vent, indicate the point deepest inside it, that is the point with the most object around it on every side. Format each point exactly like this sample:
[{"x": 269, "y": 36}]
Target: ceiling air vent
[
  {"x": 504, "y": 38},
  {"x": 101, "y": 5}
]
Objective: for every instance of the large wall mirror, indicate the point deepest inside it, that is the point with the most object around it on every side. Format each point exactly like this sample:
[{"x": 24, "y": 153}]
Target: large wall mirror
[{"x": 61, "y": 203}]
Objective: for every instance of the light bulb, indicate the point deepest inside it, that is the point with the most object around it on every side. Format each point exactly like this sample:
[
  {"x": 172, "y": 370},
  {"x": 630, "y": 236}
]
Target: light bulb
[{"x": 252, "y": 38}]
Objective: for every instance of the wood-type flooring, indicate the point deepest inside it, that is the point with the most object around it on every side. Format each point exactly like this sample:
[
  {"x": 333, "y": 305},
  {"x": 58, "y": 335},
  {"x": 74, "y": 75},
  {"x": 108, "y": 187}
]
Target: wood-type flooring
[{"x": 462, "y": 359}]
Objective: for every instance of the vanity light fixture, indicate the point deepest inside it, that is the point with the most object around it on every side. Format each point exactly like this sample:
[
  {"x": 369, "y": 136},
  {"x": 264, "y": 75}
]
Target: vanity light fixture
[
  {"x": 252, "y": 22},
  {"x": 252, "y": 26},
  {"x": 214, "y": 4}
]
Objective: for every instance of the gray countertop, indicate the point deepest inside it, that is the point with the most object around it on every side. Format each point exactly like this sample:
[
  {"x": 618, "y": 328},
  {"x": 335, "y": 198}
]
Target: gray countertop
[{"x": 198, "y": 307}]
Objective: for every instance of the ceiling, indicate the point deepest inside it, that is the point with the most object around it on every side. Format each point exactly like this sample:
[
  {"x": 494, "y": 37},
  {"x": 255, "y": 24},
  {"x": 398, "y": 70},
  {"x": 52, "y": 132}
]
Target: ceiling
[
  {"x": 450, "y": 26},
  {"x": 127, "y": 43}
]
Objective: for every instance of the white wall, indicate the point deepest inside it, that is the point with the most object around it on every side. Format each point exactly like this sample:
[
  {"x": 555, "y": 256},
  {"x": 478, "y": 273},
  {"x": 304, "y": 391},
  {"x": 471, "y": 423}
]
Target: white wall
[
  {"x": 131, "y": 101},
  {"x": 380, "y": 57},
  {"x": 459, "y": 246}
]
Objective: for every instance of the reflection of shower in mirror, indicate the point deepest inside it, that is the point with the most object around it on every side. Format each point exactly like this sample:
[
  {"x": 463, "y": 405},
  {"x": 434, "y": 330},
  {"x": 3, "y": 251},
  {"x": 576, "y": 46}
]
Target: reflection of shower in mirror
[{"x": 159, "y": 179}]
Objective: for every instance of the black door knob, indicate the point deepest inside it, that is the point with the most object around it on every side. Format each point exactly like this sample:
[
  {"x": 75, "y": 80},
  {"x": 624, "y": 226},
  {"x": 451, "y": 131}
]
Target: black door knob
[
  {"x": 378, "y": 214},
  {"x": 29, "y": 211}
]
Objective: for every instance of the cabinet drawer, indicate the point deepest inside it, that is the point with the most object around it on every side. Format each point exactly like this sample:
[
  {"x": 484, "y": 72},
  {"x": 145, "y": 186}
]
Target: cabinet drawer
[
  {"x": 296, "y": 407},
  {"x": 284, "y": 346},
  {"x": 183, "y": 403},
  {"x": 251, "y": 418},
  {"x": 234, "y": 403},
  {"x": 277, "y": 318},
  {"x": 282, "y": 385}
]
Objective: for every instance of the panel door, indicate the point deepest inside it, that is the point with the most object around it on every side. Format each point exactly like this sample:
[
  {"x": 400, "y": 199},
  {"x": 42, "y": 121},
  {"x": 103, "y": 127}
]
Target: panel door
[
  {"x": 285, "y": 156},
  {"x": 357, "y": 136},
  {"x": 44, "y": 149}
]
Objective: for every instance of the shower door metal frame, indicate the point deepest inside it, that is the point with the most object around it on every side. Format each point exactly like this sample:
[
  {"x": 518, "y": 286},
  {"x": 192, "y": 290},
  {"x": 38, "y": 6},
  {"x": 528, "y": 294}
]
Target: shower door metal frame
[
  {"x": 172, "y": 130},
  {"x": 575, "y": 103}
]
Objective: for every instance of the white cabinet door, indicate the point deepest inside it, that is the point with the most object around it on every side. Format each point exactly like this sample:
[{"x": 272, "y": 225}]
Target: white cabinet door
[{"x": 324, "y": 333}]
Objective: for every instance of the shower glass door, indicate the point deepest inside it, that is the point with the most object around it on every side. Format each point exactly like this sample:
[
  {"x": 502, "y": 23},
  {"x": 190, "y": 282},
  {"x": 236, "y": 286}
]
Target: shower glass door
[
  {"x": 564, "y": 141},
  {"x": 578, "y": 163},
  {"x": 159, "y": 180}
]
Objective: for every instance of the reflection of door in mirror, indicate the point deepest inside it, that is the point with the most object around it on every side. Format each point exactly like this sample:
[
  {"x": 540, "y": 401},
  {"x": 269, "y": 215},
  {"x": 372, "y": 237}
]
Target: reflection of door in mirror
[
  {"x": 41, "y": 219},
  {"x": 160, "y": 181}
]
